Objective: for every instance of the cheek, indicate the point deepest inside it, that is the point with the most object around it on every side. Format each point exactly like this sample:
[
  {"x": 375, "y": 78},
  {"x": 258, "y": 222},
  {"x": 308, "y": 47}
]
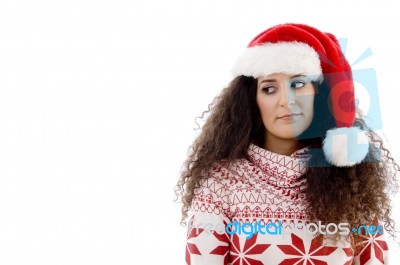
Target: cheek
[
  {"x": 266, "y": 116},
  {"x": 265, "y": 108},
  {"x": 308, "y": 106}
]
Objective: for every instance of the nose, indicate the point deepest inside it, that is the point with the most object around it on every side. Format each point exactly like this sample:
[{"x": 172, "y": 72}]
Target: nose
[{"x": 287, "y": 95}]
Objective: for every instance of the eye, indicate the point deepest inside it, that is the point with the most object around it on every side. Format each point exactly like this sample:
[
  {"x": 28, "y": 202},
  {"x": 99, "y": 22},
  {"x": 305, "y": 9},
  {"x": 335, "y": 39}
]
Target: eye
[
  {"x": 297, "y": 84},
  {"x": 269, "y": 89}
]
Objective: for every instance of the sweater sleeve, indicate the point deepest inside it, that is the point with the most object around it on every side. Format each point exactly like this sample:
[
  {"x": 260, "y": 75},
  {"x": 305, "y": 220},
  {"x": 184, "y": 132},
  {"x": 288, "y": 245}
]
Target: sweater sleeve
[
  {"x": 371, "y": 247},
  {"x": 207, "y": 240}
]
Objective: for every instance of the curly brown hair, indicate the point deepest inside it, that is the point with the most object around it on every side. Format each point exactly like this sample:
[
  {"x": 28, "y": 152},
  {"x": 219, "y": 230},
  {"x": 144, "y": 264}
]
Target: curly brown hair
[{"x": 356, "y": 195}]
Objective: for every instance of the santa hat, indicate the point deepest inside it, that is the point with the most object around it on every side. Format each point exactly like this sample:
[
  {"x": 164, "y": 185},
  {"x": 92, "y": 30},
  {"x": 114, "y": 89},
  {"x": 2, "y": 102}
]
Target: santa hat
[{"x": 301, "y": 49}]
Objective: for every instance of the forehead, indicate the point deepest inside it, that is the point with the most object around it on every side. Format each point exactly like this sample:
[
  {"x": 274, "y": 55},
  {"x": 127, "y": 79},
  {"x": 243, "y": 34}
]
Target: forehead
[{"x": 278, "y": 76}]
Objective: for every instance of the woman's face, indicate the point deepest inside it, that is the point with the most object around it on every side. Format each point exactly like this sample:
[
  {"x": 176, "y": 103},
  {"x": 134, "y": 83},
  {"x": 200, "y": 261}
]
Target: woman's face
[{"x": 286, "y": 104}]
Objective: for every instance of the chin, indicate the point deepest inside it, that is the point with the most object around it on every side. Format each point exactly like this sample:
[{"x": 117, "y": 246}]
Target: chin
[{"x": 287, "y": 136}]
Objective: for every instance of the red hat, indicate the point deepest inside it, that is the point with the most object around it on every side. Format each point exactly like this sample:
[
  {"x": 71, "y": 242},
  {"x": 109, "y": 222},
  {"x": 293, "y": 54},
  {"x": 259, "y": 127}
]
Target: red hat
[{"x": 301, "y": 49}]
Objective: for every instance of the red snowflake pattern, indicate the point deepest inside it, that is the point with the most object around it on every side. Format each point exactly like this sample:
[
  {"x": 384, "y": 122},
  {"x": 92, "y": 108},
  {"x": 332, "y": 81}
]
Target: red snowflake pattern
[
  {"x": 349, "y": 253},
  {"x": 369, "y": 242},
  {"x": 316, "y": 249},
  {"x": 190, "y": 247},
  {"x": 224, "y": 249},
  {"x": 240, "y": 255}
]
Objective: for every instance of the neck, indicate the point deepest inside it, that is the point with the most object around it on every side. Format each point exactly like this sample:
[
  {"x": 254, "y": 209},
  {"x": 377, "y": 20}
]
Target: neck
[{"x": 282, "y": 146}]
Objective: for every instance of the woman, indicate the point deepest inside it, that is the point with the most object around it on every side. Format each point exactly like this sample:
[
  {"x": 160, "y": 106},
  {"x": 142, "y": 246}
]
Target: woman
[{"x": 284, "y": 171}]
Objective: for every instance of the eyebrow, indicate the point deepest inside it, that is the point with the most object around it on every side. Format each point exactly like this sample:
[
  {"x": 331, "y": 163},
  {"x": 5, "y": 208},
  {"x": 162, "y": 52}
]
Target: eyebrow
[{"x": 274, "y": 80}]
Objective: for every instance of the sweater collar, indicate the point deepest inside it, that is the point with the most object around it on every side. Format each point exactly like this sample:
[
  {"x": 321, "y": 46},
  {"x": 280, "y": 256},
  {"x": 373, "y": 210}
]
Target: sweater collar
[{"x": 279, "y": 170}]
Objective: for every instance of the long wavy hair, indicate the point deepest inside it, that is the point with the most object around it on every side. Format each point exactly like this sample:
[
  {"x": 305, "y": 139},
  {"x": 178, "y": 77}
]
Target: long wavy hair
[{"x": 357, "y": 195}]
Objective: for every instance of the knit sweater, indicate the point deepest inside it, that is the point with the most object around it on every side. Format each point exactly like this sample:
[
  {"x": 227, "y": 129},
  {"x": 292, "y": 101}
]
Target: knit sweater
[{"x": 265, "y": 191}]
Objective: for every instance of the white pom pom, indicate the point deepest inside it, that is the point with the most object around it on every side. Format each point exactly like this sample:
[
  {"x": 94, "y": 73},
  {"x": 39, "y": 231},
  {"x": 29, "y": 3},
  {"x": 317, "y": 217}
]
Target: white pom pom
[{"x": 345, "y": 147}]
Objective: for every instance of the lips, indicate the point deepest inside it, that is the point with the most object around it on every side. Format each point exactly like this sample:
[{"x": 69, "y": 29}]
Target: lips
[{"x": 288, "y": 115}]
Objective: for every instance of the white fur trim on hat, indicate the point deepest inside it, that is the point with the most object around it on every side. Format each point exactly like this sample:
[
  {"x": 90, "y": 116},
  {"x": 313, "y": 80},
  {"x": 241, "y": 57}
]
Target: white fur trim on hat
[
  {"x": 280, "y": 57},
  {"x": 345, "y": 147}
]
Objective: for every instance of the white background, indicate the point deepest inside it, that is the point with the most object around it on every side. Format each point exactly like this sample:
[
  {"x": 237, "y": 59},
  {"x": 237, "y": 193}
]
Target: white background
[{"x": 98, "y": 101}]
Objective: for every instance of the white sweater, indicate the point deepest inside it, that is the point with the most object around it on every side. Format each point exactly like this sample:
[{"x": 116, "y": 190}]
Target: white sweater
[{"x": 265, "y": 190}]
